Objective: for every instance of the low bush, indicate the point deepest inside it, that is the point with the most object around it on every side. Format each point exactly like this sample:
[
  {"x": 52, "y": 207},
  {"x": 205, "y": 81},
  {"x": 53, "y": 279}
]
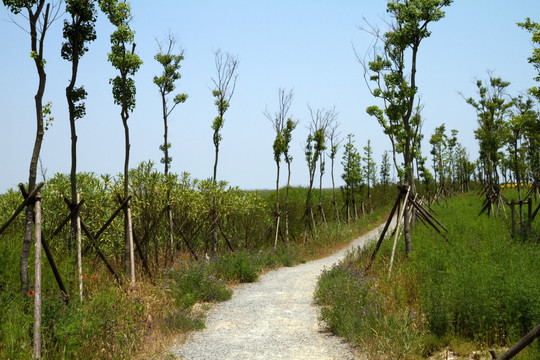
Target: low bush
[
  {"x": 197, "y": 283},
  {"x": 239, "y": 266}
]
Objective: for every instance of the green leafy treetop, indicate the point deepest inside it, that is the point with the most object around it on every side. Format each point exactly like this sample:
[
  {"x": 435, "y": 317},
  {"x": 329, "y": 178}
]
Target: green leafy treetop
[{"x": 166, "y": 84}]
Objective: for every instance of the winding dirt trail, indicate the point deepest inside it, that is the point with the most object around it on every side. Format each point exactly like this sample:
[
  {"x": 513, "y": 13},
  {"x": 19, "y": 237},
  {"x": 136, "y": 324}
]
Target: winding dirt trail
[{"x": 273, "y": 318}]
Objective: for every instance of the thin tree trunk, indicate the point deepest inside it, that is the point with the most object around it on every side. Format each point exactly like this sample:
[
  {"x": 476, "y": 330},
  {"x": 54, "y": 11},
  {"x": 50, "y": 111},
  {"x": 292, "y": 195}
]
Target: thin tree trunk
[
  {"x": 171, "y": 234},
  {"x": 79, "y": 251},
  {"x": 277, "y": 207},
  {"x": 127, "y": 219},
  {"x": 38, "y": 98},
  {"x": 334, "y": 203},
  {"x": 165, "y": 135},
  {"x": 287, "y": 202},
  {"x": 214, "y": 228},
  {"x": 37, "y": 288},
  {"x": 321, "y": 210},
  {"x": 73, "y": 173}
]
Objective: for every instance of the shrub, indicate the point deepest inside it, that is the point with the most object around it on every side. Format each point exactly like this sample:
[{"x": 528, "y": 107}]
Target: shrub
[
  {"x": 196, "y": 283},
  {"x": 238, "y": 266}
]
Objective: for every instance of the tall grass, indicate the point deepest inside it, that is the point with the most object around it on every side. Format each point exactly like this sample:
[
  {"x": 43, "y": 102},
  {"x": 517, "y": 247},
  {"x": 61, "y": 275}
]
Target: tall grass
[{"x": 482, "y": 288}]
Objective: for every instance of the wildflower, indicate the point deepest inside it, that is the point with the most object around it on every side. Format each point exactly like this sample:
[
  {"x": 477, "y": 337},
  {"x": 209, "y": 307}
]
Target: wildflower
[{"x": 93, "y": 277}]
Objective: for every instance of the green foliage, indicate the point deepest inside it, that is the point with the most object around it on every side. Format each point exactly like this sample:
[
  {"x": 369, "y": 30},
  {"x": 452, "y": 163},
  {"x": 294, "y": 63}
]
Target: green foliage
[
  {"x": 533, "y": 28},
  {"x": 492, "y": 109},
  {"x": 370, "y": 167},
  {"x": 225, "y": 83},
  {"x": 394, "y": 84},
  {"x": 48, "y": 119},
  {"x": 166, "y": 85},
  {"x": 352, "y": 169},
  {"x": 121, "y": 57},
  {"x": 385, "y": 169},
  {"x": 80, "y": 30}
]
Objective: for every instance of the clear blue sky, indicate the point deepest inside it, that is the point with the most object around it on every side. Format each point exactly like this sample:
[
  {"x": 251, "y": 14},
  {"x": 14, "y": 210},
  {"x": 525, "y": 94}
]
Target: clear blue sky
[{"x": 300, "y": 44}]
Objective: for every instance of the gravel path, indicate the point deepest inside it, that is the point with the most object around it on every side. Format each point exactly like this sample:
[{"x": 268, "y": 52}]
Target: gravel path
[{"x": 273, "y": 318}]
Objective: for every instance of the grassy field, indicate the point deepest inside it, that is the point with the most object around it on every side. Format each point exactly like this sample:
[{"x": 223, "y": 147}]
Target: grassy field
[{"x": 478, "y": 290}]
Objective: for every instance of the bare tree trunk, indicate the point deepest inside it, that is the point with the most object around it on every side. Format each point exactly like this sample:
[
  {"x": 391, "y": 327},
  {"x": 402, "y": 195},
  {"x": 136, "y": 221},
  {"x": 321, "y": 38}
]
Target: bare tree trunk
[
  {"x": 127, "y": 219},
  {"x": 171, "y": 234},
  {"x": 214, "y": 227},
  {"x": 409, "y": 176},
  {"x": 165, "y": 135},
  {"x": 287, "y": 202},
  {"x": 277, "y": 207},
  {"x": 37, "y": 288},
  {"x": 79, "y": 250}
]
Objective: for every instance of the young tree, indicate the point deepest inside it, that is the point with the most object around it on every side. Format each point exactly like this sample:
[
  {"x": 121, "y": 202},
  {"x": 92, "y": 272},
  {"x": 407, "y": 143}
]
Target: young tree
[
  {"x": 170, "y": 62},
  {"x": 40, "y": 15},
  {"x": 224, "y": 86},
  {"x": 352, "y": 173},
  {"x": 393, "y": 73},
  {"x": 385, "y": 169},
  {"x": 492, "y": 109},
  {"x": 533, "y": 28},
  {"x": 464, "y": 167},
  {"x": 517, "y": 137},
  {"x": 370, "y": 168},
  {"x": 438, "y": 143},
  {"x": 335, "y": 142},
  {"x": 287, "y": 137},
  {"x": 279, "y": 122},
  {"x": 124, "y": 59},
  {"x": 328, "y": 118},
  {"x": 78, "y": 31},
  {"x": 452, "y": 143},
  {"x": 166, "y": 85},
  {"x": 314, "y": 150},
  {"x": 533, "y": 123}
]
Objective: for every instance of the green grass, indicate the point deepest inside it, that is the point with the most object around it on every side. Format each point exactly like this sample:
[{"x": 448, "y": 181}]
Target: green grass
[{"x": 481, "y": 288}]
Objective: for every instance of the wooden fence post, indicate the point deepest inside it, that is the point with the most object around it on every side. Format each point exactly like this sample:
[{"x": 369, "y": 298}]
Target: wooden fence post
[
  {"x": 131, "y": 247},
  {"x": 26, "y": 201},
  {"x": 397, "y": 231},
  {"x": 513, "y": 209},
  {"x": 520, "y": 345},
  {"x": 37, "y": 276},
  {"x": 79, "y": 252},
  {"x": 529, "y": 213}
]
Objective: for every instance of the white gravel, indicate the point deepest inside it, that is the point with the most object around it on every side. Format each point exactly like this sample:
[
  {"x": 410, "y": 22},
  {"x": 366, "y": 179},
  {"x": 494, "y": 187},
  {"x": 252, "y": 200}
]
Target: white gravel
[{"x": 273, "y": 318}]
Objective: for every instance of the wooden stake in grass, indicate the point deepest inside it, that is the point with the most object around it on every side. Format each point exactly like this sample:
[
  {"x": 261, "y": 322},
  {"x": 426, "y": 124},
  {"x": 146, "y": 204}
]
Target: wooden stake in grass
[
  {"x": 79, "y": 251},
  {"x": 401, "y": 212},
  {"x": 131, "y": 249},
  {"x": 37, "y": 276}
]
